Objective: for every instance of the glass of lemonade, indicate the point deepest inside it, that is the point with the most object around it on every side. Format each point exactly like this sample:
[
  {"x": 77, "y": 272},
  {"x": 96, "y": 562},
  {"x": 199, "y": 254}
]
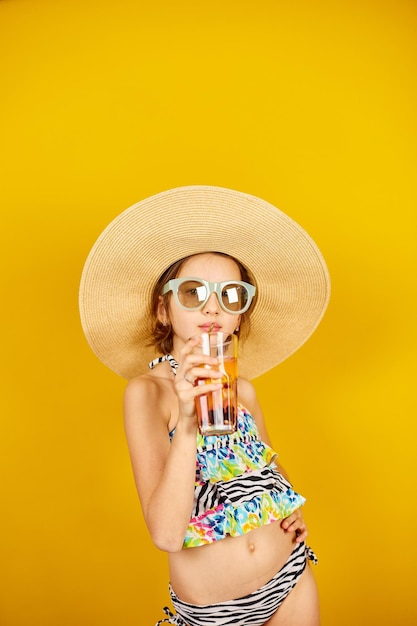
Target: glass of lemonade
[{"x": 217, "y": 410}]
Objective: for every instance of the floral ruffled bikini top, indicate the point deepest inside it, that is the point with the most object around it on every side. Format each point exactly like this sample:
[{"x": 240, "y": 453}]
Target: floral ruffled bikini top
[{"x": 237, "y": 486}]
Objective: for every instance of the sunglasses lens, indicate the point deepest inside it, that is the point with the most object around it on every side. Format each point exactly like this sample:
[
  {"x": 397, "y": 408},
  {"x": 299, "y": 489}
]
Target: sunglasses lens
[
  {"x": 192, "y": 294},
  {"x": 234, "y": 297}
]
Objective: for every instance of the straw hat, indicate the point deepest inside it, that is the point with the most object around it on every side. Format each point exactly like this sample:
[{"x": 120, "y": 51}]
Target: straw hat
[{"x": 138, "y": 245}]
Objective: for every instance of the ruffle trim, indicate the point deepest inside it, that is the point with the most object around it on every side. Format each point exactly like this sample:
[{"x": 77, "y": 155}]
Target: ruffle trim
[
  {"x": 235, "y": 520},
  {"x": 227, "y": 456}
]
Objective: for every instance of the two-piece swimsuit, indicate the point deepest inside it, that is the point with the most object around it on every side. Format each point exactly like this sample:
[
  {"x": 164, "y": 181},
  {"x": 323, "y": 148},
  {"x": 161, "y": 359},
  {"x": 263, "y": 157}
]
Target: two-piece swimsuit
[{"x": 238, "y": 488}]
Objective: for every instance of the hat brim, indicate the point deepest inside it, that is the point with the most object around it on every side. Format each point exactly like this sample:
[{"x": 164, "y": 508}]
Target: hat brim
[{"x": 139, "y": 244}]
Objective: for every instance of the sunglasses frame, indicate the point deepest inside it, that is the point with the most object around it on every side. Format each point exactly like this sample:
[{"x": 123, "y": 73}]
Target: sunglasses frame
[{"x": 217, "y": 288}]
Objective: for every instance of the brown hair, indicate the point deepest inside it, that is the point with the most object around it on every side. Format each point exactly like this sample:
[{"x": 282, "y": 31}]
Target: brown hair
[{"x": 161, "y": 335}]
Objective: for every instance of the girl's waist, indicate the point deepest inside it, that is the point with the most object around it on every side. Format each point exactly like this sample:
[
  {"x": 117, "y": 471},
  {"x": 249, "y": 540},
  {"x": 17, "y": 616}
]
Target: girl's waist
[{"x": 232, "y": 567}]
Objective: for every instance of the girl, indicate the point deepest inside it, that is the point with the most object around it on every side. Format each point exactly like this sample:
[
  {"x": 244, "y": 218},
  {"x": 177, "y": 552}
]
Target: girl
[{"x": 220, "y": 506}]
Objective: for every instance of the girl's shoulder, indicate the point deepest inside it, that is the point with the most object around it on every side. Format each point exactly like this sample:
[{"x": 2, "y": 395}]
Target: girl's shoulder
[
  {"x": 148, "y": 387},
  {"x": 149, "y": 396},
  {"x": 247, "y": 394}
]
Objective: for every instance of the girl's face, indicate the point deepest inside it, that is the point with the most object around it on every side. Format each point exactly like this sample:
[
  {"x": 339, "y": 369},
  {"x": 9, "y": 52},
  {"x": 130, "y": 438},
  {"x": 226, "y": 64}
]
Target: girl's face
[{"x": 186, "y": 324}]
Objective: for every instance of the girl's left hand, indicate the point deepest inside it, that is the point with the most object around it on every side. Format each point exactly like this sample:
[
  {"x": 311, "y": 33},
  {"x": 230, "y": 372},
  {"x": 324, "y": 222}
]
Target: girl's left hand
[{"x": 295, "y": 523}]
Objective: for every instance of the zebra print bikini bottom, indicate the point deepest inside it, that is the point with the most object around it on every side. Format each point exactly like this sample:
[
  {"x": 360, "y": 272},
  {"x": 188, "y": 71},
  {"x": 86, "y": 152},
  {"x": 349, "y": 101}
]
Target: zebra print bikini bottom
[{"x": 251, "y": 610}]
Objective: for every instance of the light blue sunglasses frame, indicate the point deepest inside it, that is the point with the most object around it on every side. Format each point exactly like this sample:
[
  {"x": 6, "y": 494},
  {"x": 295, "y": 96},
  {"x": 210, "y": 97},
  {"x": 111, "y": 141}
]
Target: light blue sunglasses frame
[{"x": 217, "y": 288}]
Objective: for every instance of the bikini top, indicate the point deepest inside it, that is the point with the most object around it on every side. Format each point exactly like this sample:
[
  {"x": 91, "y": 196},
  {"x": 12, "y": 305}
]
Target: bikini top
[{"x": 237, "y": 484}]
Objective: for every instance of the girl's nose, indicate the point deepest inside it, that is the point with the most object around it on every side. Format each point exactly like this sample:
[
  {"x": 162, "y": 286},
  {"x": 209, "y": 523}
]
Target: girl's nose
[{"x": 212, "y": 306}]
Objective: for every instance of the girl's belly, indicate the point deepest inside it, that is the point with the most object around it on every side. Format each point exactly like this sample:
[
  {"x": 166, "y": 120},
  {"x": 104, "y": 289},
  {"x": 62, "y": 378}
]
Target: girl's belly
[{"x": 230, "y": 568}]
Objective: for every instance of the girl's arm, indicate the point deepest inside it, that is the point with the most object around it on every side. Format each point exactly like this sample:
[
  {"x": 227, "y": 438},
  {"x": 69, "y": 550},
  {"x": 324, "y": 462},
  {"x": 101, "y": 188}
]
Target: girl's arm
[{"x": 165, "y": 471}]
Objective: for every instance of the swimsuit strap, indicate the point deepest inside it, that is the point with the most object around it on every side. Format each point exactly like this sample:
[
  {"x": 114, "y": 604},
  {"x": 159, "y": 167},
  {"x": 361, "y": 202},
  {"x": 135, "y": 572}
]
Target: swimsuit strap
[
  {"x": 167, "y": 357},
  {"x": 173, "y": 619}
]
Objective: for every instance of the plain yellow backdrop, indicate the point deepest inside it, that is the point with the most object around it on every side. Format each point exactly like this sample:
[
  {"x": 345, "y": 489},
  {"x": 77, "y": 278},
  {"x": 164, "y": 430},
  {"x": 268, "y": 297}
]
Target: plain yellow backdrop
[{"x": 310, "y": 105}]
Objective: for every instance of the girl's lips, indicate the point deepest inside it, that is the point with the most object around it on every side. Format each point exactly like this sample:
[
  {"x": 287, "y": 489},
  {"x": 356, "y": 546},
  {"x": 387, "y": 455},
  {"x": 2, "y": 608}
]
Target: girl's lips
[{"x": 213, "y": 328}]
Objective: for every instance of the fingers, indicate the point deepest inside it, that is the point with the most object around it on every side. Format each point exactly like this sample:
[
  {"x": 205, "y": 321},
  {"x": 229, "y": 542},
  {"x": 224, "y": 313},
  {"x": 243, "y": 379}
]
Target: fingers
[
  {"x": 196, "y": 387},
  {"x": 196, "y": 375},
  {"x": 194, "y": 365},
  {"x": 301, "y": 536},
  {"x": 294, "y": 523}
]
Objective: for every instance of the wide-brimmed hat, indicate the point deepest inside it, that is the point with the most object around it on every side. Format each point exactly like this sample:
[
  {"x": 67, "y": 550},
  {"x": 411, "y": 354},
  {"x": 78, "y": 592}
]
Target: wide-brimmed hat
[{"x": 142, "y": 242}]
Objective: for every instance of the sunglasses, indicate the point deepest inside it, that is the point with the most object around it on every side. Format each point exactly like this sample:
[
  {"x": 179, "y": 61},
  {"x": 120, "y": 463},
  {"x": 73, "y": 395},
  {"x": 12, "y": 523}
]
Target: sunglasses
[{"x": 235, "y": 296}]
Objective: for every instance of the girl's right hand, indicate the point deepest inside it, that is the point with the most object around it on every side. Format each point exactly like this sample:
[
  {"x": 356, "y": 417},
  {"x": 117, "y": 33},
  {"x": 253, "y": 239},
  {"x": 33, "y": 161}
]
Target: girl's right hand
[{"x": 194, "y": 366}]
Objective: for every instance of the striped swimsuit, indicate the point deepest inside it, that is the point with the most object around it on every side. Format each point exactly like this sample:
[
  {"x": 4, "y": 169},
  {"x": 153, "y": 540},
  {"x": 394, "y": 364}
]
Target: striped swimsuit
[{"x": 238, "y": 488}]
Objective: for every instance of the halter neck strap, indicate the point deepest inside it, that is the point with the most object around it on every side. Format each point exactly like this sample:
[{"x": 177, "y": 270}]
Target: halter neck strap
[{"x": 167, "y": 357}]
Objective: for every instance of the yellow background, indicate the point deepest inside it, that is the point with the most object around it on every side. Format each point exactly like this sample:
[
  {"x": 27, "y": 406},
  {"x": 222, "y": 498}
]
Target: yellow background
[{"x": 310, "y": 105}]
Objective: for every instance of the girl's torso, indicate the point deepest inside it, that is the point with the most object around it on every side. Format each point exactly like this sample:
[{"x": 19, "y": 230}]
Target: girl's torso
[{"x": 231, "y": 567}]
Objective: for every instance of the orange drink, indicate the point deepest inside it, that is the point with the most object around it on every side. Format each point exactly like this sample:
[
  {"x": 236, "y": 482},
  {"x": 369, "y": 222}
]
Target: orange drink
[{"x": 217, "y": 410}]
